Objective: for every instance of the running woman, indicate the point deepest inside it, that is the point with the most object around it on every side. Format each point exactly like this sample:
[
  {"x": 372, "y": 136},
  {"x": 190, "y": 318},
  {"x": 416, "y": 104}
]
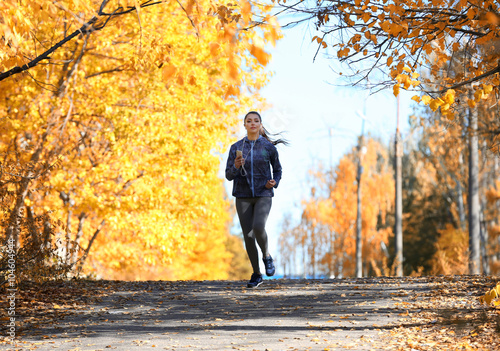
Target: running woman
[{"x": 249, "y": 167}]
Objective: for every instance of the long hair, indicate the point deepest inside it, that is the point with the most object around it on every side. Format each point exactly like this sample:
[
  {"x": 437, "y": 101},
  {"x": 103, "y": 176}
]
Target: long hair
[{"x": 265, "y": 133}]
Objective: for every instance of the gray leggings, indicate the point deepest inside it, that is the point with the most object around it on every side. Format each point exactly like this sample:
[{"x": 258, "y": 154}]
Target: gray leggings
[{"x": 253, "y": 213}]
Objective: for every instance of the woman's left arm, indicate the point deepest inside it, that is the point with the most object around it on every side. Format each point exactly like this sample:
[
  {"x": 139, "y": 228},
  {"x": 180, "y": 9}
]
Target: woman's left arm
[{"x": 275, "y": 163}]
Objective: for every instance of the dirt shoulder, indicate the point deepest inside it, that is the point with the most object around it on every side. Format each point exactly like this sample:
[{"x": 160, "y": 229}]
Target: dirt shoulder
[{"x": 361, "y": 314}]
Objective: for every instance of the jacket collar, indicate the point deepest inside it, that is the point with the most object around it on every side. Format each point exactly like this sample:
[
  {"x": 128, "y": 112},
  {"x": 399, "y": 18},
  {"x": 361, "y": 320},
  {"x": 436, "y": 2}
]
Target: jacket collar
[{"x": 251, "y": 141}]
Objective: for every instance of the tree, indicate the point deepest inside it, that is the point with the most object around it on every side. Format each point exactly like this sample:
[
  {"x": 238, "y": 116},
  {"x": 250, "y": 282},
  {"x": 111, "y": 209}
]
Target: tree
[
  {"x": 398, "y": 201},
  {"x": 435, "y": 177},
  {"x": 135, "y": 112},
  {"x": 287, "y": 246},
  {"x": 327, "y": 229},
  {"x": 474, "y": 210},
  {"x": 411, "y": 43}
]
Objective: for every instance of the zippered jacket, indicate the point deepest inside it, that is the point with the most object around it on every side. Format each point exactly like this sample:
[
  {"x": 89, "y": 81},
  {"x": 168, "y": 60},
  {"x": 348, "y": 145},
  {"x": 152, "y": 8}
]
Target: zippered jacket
[{"x": 260, "y": 155}]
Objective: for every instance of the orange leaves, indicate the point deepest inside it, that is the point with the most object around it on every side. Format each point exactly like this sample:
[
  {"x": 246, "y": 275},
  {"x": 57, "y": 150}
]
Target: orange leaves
[
  {"x": 232, "y": 91},
  {"x": 168, "y": 71},
  {"x": 471, "y": 14},
  {"x": 428, "y": 33},
  {"x": 482, "y": 93},
  {"x": 493, "y": 194},
  {"x": 394, "y": 29},
  {"x": 395, "y": 89},
  {"x": 258, "y": 52},
  {"x": 354, "y": 39},
  {"x": 229, "y": 33},
  {"x": 478, "y": 95},
  {"x": 320, "y": 41},
  {"x": 332, "y": 209},
  {"x": 405, "y": 80},
  {"x": 343, "y": 52},
  {"x": 492, "y": 18},
  {"x": 233, "y": 69},
  {"x": 246, "y": 10},
  {"x": 214, "y": 48},
  {"x": 366, "y": 17}
]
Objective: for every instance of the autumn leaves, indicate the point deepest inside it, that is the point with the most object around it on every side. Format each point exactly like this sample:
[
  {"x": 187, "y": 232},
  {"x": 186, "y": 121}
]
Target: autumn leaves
[
  {"x": 323, "y": 240},
  {"x": 449, "y": 45},
  {"x": 136, "y": 115},
  {"x": 133, "y": 114}
]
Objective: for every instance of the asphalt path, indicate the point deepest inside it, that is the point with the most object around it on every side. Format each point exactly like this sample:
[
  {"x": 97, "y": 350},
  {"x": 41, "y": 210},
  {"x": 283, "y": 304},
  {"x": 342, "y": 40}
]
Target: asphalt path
[{"x": 281, "y": 314}]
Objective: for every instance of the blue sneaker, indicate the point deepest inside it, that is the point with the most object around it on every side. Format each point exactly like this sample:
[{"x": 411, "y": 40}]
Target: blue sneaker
[
  {"x": 268, "y": 262},
  {"x": 255, "y": 281}
]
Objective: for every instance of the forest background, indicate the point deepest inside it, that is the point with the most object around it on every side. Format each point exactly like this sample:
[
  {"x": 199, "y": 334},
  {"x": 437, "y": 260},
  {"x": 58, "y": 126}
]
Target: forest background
[{"x": 111, "y": 144}]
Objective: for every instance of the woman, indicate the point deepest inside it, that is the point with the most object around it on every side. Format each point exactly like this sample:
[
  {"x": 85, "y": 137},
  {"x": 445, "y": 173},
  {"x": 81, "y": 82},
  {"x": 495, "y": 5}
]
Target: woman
[{"x": 248, "y": 167}]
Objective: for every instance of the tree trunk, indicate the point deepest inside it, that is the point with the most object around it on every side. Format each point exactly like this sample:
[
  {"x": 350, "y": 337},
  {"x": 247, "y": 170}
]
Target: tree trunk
[
  {"x": 86, "y": 253},
  {"x": 332, "y": 254},
  {"x": 304, "y": 262},
  {"x": 460, "y": 197},
  {"x": 483, "y": 232},
  {"x": 484, "y": 222},
  {"x": 474, "y": 230},
  {"x": 398, "y": 223},
  {"x": 13, "y": 228},
  {"x": 79, "y": 234},
  {"x": 359, "y": 243}
]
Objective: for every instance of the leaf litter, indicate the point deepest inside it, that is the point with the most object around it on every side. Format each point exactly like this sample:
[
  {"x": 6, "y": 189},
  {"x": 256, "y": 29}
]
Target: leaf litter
[{"x": 443, "y": 312}]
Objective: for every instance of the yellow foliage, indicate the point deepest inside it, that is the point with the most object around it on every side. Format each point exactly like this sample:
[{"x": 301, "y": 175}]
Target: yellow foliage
[
  {"x": 140, "y": 114},
  {"x": 489, "y": 297},
  {"x": 426, "y": 99},
  {"x": 449, "y": 96},
  {"x": 451, "y": 252},
  {"x": 434, "y": 105}
]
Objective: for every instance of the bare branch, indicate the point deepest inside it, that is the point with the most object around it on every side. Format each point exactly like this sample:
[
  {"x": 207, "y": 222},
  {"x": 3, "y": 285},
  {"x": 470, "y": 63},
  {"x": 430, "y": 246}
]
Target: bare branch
[
  {"x": 86, "y": 28},
  {"x": 472, "y": 80},
  {"x": 117, "y": 69},
  {"x": 189, "y": 17},
  {"x": 91, "y": 26}
]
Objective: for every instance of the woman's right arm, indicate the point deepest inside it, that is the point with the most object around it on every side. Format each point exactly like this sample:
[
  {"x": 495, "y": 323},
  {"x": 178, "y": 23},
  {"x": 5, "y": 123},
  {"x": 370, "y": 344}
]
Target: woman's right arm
[{"x": 231, "y": 170}]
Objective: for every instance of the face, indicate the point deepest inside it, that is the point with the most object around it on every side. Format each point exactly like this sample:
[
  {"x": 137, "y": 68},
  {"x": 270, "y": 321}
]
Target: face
[{"x": 252, "y": 123}]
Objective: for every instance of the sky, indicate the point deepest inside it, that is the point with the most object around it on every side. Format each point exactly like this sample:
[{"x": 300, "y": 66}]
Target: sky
[{"x": 309, "y": 105}]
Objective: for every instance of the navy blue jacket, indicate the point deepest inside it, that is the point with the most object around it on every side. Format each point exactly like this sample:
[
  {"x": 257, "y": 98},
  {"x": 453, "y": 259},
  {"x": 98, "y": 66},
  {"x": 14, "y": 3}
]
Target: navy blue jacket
[{"x": 257, "y": 165}]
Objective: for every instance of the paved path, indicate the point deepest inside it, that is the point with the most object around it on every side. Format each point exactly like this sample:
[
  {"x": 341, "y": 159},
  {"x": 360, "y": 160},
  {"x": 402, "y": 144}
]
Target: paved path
[{"x": 225, "y": 315}]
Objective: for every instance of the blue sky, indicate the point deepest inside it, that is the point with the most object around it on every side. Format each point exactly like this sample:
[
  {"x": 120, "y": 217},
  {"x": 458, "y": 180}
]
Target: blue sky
[{"x": 307, "y": 103}]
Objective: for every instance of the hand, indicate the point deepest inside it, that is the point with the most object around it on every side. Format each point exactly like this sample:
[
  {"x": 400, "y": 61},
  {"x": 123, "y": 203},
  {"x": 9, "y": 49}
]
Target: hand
[
  {"x": 239, "y": 161},
  {"x": 270, "y": 183}
]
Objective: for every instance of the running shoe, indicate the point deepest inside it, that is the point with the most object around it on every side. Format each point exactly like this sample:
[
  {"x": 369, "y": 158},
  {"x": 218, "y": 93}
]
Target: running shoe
[
  {"x": 268, "y": 262},
  {"x": 255, "y": 281}
]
